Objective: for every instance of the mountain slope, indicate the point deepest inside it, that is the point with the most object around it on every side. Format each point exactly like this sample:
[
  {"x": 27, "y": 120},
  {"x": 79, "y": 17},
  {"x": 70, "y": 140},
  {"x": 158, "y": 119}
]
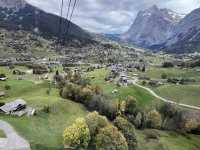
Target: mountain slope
[
  {"x": 186, "y": 34},
  {"x": 151, "y": 27},
  {"x": 20, "y": 15}
]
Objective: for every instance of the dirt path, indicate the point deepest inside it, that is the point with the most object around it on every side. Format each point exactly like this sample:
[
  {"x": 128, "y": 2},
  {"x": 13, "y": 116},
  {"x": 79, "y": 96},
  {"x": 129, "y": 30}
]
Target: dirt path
[
  {"x": 12, "y": 141},
  {"x": 166, "y": 100}
]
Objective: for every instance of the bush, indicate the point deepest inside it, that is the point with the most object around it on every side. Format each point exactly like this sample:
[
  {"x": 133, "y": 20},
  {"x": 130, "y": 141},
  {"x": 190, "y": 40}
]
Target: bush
[
  {"x": 83, "y": 82},
  {"x": 188, "y": 121},
  {"x": 128, "y": 130},
  {"x": 71, "y": 91},
  {"x": 97, "y": 90},
  {"x": 109, "y": 138},
  {"x": 2, "y": 75},
  {"x": 46, "y": 109},
  {"x": 144, "y": 82},
  {"x": 103, "y": 106},
  {"x": 151, "y": 134},
  {"x": 154, "y": 119},
  {"x": 168, "y": 110},
  {"x": 7, "y": 87},
  {"x": 76, "y": 77},
  {"x": 131, "y": 106},
  {"x": 77, "y": 135},
  {"x": 86, "y": 94},
  {"x": 168, "y": 65},
  {"x": 95, "y": 122},
  {"x": 190, "y": 124},
  {"x": 138, "y": 120},
  {"x": 164, "y": 76}
]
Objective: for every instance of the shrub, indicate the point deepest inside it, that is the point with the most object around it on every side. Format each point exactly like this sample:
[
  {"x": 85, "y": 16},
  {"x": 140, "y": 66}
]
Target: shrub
[
  {"x": 128, "y": 130},
  {"x": 131, "y": 106},
  {"x": 151, "y": 134},
  {"x": 86, "y": 94},
  {"x": 103, "y": 106},
  {"x": 77, "y": 135},
  {"x": 92, "y": 101},
  {"x": 144, "y": 82},
  {"x": 138, "y": 120},
  {"x": 2, "y": 75},
  {"x": 7, "y": 87},
  {"x": 76, "y": 77},
  {"x": 168, "y": 65},
  {"x": 97, "y": 90},
  {"x": 164, "y": 76},
  {"x": 109, "y": 138},
  {"x": 71, "y": 91},
  {"x": 154, "y": 119},
  {"x": 95, "y": 122},
  {"x": 83, "y": 82},
  {"x": 190, "y": 124},
  {"x": 46, "y": 109},
  {"x": 168, "y": 110},
  {"x": 188, "y": 121}
]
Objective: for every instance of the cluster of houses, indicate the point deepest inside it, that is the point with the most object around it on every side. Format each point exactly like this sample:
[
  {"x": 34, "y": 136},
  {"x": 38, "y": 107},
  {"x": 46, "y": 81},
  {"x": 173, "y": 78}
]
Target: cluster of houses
[{"x": 119, "y": 76}]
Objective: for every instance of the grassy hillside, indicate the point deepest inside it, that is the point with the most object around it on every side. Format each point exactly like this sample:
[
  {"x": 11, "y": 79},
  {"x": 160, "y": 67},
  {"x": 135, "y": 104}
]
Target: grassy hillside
[
  {"x": 156, "y": 73},
  {"x": 188, "y": 94},
  {"x": 43, "y": 131}
]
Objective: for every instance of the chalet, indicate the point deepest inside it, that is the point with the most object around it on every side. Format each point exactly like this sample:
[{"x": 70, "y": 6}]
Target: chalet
[
  {"x": 40, "y": 69},
  {"x": 17, "y": 108},
  {"x": 18, "y": 72},
  {"x": 2, "y": 94},
  {"x": 17, "y": 105},
  {"x": 155, "y": 83},
  {"x": 3, "y": 77}
]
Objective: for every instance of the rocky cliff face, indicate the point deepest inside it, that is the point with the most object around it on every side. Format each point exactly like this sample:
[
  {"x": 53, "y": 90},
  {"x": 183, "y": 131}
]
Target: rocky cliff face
[
  {"x": 12, "y": 4},
  {"x": 186, "y": 34},
  {"x": 151, "y": 27},
  {"x": 20, "y": 15}
]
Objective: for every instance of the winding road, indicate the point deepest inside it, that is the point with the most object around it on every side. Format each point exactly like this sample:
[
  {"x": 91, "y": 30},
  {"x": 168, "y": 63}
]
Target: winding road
[
  {"x": 12, "y": 141},
  {"x": 166, "y": 100}
]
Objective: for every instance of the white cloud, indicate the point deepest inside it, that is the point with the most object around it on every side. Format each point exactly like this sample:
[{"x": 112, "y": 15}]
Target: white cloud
[{"x": 112, "y": 16}]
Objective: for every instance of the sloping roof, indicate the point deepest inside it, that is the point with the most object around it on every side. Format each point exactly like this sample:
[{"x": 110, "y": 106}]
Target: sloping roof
[
  {"x": 13, "y": 106},
  {"x": 2, "y": 93}
]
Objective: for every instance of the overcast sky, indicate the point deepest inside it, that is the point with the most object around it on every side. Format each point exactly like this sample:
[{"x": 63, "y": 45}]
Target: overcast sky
[{"x": 112, "y": 16}]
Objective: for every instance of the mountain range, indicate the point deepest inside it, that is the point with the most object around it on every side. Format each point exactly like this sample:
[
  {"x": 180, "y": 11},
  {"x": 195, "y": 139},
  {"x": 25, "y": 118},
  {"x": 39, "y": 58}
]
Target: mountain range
[
  {"x": 153, "y": 28},
  {"x": 20, "y": 15},
  {"x": 164, "y": 29}
]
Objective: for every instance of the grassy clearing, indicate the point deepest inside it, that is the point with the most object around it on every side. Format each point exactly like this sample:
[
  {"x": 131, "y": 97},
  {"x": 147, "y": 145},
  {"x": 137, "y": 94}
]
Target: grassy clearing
[
  {"x": 187, "y": 94},
  {"x": 145, "y": 100},
  {"x": 168, "y": 141}
]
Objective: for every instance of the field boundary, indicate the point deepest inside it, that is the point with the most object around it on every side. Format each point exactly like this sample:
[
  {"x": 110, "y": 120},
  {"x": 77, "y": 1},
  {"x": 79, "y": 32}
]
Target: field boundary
[{"x": 166, "y": 100}]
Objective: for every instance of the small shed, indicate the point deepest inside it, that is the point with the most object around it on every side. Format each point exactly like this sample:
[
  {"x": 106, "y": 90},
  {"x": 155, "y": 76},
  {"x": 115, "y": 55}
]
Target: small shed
[
  {"x": 17, "y": 105},
  {"x": 2, "y": 94}
]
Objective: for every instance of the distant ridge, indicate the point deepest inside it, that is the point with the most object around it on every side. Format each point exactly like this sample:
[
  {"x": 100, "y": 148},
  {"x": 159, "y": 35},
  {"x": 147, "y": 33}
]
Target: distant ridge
[{"x": 20, "y": 15}]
